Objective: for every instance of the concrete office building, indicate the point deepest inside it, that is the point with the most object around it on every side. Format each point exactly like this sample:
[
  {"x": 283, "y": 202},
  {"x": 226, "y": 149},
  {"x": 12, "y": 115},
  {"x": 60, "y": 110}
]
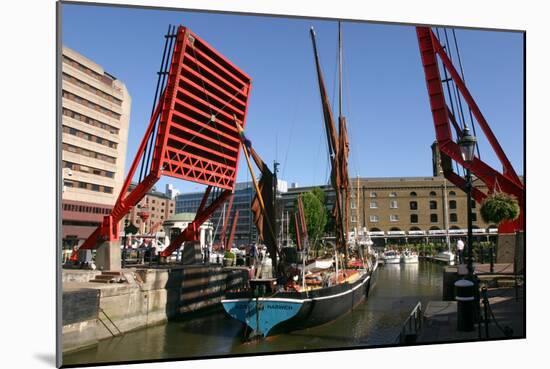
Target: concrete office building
[
  {"x": 94, "y": 133},
  {"x": 245, "y": 232}
]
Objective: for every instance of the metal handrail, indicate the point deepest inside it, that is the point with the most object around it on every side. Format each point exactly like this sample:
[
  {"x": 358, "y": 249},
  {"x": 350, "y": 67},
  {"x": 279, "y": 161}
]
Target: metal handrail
[{"x": 412, "y": 325}]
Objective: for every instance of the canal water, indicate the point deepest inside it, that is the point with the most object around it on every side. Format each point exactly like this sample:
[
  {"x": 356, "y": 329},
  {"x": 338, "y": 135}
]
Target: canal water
[{"x": 376, "y": 321}]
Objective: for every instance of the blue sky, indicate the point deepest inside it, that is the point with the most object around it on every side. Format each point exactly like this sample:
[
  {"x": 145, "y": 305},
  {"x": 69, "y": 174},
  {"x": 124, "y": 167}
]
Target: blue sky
[{"x": 386, "y": 102}]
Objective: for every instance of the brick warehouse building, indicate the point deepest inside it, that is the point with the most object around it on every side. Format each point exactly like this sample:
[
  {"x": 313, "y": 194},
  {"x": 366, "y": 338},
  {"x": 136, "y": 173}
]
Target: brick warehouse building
[
  {"x": 94, "y": 132},
  {"x": 403, "y": 209},
  {"x": 159, "y": 207}
]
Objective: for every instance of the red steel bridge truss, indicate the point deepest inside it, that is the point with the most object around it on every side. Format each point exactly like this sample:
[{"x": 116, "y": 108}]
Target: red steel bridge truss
[
  {"x": 192, "y": 134},
  {"x": 506, "y": 181}
]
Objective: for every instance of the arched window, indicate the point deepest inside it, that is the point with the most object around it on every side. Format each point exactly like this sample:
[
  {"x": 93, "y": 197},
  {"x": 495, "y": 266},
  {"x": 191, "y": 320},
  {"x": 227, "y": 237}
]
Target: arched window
[
  {"x": 415, "y": 229},
  {"x": 413, "y": 205},
  {"x": 393, "y": 194},
  {"x": 414, "y": 218},
  {"x": 373, "y": 194},
  {"x": 432, "y": 193},
  {"x": 394, "y": 229},
  {"x": 433, "y": 218},
  {"x": 434, "y": 228},
  {"x": 375, "y": 229},
  {"x": 433, "y": 204},
  {"x": 452, "y": 204},
  {"x": 412, "y": 194}
]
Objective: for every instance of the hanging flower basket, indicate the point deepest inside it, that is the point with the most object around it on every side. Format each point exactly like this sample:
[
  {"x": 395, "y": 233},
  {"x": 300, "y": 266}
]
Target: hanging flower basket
[{"x": 499, "y": 207}]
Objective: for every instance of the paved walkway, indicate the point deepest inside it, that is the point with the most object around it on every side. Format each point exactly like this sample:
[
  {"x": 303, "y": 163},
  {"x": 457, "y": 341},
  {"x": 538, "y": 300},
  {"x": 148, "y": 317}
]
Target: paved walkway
[{"x": 440, "y": 320}]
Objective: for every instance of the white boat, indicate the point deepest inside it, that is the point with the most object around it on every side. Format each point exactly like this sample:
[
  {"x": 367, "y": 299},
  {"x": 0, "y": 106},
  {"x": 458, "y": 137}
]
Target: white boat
[
  {"x": 446, "y": 257},
  {"x": 391, "y": 257},
  {"x": 409, "y": 257}
]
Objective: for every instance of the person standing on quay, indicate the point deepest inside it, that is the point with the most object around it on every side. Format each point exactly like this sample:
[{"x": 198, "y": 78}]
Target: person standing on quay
[{"x": 460, "y": 251}]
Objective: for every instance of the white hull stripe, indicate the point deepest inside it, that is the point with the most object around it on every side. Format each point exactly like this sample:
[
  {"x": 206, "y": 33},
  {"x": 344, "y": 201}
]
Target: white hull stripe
[{"x": 300, "y": 301}]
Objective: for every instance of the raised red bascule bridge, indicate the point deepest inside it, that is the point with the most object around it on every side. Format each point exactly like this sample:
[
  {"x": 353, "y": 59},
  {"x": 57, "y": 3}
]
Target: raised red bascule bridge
[{"x": 192, "y": 134}]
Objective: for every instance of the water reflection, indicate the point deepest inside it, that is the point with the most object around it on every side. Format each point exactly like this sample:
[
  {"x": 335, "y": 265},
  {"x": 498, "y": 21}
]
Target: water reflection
[{"x": 375, "y": 322}]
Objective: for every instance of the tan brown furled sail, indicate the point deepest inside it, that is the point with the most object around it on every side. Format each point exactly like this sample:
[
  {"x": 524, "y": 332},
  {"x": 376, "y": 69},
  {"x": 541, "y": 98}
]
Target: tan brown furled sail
[{"x": 263, "y": 223}]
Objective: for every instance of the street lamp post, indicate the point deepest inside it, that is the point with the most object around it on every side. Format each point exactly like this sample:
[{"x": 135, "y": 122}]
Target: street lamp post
[{"x": 467, "y": 145}]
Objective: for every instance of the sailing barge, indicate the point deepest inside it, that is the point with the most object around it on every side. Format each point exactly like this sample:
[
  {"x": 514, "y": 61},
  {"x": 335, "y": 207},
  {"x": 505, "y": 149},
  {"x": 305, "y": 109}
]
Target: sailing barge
[{"x": 271, "y": 306}]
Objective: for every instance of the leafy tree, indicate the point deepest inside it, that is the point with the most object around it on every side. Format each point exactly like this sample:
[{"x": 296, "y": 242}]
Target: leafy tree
[
  {"x": 315, "y": 215},
  {"x": 320, "y": 194}
]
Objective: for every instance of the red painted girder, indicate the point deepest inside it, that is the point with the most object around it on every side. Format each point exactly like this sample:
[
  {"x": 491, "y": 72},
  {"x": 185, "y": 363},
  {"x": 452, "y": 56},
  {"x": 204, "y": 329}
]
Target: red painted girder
[
  {"x": 218, "y": 65},
  {"x": 508, "y": 182},
  {"x": 208, "y": 127},
  {"x": 209, "y": 108},
  {"x": 212, "y": 96},
  {"x": 172, "y": 135},
  {"x": 139, "y": 152},
  {"x": 169, "y": 98},
  {"x": 233, "y": 97},
  {"x": 191, "y": 231},
  {"x": 202, "y": 67},
  {"x": 508, "y": 169},
  {"x": 206, "y": 116}
]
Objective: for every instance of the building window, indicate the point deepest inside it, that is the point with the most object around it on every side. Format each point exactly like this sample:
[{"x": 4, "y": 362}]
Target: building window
[
  {"x": 452, "y": 204},
  {"x": 453, "y": 218},
  {"x": 433, "y": 218},
  {"x": 393, "y": 194},
  {"x": 452, "y": 193},
  {"x": 474, "y": 217},
  {"x": 412, "y": 194},
  {"x": 373, "y": 194},
  {"x": 95, "y": 187},
  {"x": 432, "y": 194},
  {"x": 373, "y": 218},
  {"x": 393, "y": 204},
  {"x": 413, "y": 205},
  {"x": 394, "y": 218},
  {"x": 414, "y": 218},
  {"x": 473, "y": 204},
  {"x": 433, "y": 204},
  {"x": 353, "y": 219},
  {"x": 373, "y": 205},
  {"x": 353, "y": 206}
]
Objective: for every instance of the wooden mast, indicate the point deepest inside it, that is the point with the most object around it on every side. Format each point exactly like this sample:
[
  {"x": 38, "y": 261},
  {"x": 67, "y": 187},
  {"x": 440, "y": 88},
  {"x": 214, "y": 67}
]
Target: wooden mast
[{"x": 338, "y": 149}]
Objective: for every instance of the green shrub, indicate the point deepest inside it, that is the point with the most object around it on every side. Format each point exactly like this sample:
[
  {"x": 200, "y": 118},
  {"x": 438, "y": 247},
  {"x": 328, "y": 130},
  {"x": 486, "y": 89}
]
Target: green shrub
[
  {"x": 498, "y": 208},
  {"x": 229, "y": 255}
]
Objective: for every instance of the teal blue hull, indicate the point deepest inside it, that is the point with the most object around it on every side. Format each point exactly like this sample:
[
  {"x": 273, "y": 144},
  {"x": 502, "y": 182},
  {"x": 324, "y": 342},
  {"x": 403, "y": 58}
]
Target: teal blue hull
[
  {"x": 272, "y": 312},
  {"x": 288, "y": 311}
]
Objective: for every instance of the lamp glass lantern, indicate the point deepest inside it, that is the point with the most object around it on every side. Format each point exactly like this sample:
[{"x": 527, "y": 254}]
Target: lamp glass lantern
[{"x": 467, "y": 145}]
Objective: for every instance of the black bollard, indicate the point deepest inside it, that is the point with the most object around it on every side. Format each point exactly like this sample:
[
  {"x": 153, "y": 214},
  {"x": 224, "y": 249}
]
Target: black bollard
[{"x": 464, "y": 292}]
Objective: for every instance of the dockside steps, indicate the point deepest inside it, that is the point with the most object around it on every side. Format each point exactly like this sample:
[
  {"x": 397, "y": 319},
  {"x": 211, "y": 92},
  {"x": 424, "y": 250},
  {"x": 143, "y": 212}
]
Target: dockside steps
[{"x": 109, "y": 277}]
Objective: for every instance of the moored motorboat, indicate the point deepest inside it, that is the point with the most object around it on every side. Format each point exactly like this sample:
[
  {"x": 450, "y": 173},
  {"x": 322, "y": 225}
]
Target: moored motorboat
[
  {"x": 391, "y": 257},
  {"x": 446, "y": 257},
  {"x": 409, "y": 257}
]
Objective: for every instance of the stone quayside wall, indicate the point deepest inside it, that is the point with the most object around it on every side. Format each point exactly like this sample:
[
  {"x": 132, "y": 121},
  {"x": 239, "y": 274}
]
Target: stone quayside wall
[{"x": 94, "y": 311}]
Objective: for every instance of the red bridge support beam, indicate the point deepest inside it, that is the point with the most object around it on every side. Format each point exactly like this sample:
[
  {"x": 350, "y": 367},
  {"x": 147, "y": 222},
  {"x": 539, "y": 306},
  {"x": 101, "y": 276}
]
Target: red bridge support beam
[{"x": 508, "y": 181}]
